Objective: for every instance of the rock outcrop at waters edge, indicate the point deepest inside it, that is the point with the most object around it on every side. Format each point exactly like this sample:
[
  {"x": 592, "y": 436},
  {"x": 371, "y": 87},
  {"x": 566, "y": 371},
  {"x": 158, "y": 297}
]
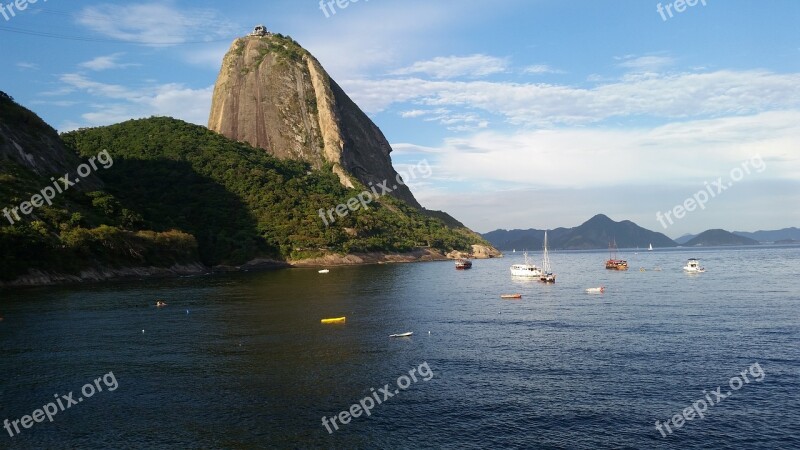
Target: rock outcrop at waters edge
[
  {"x": 36, "y": 277},
  {"x": 273, "y": 94},
  {"x": 417, "y": 255}
]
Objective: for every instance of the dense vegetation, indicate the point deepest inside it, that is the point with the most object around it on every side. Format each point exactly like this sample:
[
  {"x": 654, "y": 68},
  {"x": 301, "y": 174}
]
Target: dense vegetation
[
  {"x": 178, "y": 192},
  {"x": 240, "y": 202},
  {"x": 78, "y": 231}
]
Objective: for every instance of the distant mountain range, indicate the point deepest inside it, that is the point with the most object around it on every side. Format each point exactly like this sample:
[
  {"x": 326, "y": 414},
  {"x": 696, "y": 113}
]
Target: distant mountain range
[
  {"x": 597, "y": 232},
  {"x": 785, "y": 234},
  {"x": 792, "y": 233}
]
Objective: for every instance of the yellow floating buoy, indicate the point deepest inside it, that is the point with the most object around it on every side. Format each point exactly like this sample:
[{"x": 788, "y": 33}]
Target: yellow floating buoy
[{"x": 334, "y": 320}]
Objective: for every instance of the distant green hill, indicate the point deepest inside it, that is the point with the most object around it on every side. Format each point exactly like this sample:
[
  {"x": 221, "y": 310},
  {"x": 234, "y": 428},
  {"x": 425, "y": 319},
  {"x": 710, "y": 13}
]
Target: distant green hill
[
  {"x": 178, "y": 193},
  {"x": 719, "y": 237}
]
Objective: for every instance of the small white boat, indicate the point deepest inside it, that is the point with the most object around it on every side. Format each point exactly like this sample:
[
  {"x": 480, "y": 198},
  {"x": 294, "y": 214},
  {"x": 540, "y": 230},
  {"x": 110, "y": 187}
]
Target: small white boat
[
  {"x": 527, "y": 269},
  {"x": 596, "y": 290},
  {"x": 693, "y": 266},
  {"x": 406, "y": 334},
  {"x": 651, "y": 248},
  {"x": 324, "y": 271}
]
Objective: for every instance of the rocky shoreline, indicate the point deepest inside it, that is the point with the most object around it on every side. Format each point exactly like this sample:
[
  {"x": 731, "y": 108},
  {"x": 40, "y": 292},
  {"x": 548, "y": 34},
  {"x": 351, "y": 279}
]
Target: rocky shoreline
[{"x": 43, "y": 278}]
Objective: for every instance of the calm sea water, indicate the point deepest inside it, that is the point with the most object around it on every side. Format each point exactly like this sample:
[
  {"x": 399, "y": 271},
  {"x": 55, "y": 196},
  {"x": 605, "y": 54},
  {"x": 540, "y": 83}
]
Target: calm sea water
[{"x": 242, "y": 361}]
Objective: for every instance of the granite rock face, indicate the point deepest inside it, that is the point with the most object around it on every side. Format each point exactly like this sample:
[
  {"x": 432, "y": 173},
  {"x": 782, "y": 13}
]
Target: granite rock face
[{"x": 273, "y": 94}]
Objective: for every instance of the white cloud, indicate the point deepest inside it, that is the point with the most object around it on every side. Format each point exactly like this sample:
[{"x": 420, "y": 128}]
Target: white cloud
[
  {"x": 679, "y": 153},
  {"x": 156, "y": 24},
  {"x": 59, "y": 103},
  {"x": 574, "y": 173},
  {"x": 669, "y": 96},
  {"x": 454, "y": 121},
  {"x": 413, "y": 149},
  {"x": 58, "y": 92},
  {"x": 541, "y": 69},
  {"x": 106, "y": 62},
  {"x": 118, "y": 103},
  {"x": 645, "y": 63},
  {"x": 81, "y": 82},
  {"x": 413, "y": 113},
  {"x": 443, "y": 67},
  {"x": 27, "y": 65}
]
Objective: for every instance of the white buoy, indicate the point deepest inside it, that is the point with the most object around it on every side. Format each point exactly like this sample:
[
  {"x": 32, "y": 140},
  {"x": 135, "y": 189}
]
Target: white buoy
[{"x": 142, "y": 331}]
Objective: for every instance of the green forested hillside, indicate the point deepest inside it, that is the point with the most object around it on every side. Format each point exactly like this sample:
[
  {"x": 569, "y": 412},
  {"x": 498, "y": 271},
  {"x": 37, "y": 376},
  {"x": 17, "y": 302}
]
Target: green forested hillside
[
  {"x": 239, "y": 202},
  {"x": 178, "y": 192},
  {"x": 84, "y": 227}
]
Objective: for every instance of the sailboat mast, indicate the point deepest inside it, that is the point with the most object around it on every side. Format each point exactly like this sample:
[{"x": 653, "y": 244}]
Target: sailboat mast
[{"x": 545, "y": 257}]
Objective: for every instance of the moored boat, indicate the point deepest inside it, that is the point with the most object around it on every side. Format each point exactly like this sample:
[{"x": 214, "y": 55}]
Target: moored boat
[
  {"x": 511, "y": 296},
  {"x": 613, "y": 263},
  {"x": 693, "y": 266},
  {"x": 547, "y": 275},
  {"x": 596, "y": 290},
  {"x": 526, "y": 269},
  {"x": 463, "y": 264}
]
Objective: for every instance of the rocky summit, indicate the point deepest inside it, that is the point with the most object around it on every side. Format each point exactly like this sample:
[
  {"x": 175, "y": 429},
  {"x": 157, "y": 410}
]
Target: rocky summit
[{"x": 273, "y": 94}]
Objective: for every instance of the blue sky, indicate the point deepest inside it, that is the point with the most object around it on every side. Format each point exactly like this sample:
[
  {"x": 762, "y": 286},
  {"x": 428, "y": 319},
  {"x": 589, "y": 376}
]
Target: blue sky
[{"x": 531, "y": 113}]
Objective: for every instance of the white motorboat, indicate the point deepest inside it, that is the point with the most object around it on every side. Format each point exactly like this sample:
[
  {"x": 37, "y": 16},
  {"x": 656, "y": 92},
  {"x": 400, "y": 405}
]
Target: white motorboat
[
  {"x": 596, "y": 290},
  {"x": 527, "y": 269},
  {"x": 693, "y": 266},
  {"x": 323, "y": 271}
]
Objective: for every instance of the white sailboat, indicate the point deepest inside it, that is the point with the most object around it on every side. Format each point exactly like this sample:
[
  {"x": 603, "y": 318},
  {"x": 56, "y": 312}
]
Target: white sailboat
[
  {"x": 651, "y": 248},
  {"x": 547, "y": 274}
]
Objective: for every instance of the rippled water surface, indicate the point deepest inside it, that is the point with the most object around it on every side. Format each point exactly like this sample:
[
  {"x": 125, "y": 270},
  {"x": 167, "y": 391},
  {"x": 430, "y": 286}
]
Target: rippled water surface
[{"x": 242, "y": 361}]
